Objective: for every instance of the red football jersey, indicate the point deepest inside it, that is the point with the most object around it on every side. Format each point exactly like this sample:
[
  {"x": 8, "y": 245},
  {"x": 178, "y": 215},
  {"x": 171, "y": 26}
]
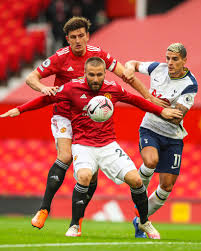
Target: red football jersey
[
  {"x": 66, "y": 66},
  {"x": 78, "y": 93}
]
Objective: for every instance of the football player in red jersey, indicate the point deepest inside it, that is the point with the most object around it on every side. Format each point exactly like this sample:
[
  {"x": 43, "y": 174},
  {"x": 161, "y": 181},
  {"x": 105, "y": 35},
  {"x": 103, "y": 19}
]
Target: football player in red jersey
[
  {"x": 68, "y": 63},
  {"x": 93, "y": 140}
]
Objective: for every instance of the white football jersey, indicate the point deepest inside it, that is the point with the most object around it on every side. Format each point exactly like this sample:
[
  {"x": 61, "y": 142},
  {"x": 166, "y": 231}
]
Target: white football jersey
[{"x": 175, "y": 90}]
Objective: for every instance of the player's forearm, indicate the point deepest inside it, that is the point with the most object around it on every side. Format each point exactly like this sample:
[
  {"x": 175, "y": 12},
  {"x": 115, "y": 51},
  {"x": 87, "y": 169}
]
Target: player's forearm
[
  {"x": 132, "y": 64},
  {"x": 36, "y": 103},
  {"x": 140, "y": 87},
  {"x": 33, "y": 80},
  {"x": 119, "y": 69},
  {"x": 145, "y": 105}
]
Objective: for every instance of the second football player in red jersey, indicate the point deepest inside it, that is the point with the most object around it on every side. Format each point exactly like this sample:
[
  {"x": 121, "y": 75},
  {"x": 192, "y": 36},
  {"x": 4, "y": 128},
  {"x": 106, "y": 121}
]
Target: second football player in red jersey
[
  {"x": 66, "y": 64},
  {"x": 93, "y": 140}
]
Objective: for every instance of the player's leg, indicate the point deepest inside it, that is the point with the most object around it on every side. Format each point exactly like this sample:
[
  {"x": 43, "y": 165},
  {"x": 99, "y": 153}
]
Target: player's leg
[
  {"x": 149, "y": 150},
  {"x": 117, "y": 165},
  {"x": 84, "y": 168},
  {"x": 140, "y": 199},
  {"x": 158, "y": 198},
  {"x": 168, "y": 168},
  {"x": 62, "y": 132}
]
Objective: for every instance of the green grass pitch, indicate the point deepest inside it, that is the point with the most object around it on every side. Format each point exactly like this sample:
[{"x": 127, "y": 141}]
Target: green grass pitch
[{"x": 16, "y": 233}]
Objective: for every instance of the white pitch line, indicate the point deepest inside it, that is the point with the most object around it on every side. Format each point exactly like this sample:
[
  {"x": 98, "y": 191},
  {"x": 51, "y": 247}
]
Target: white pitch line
[{"x": 96, "y": 244}]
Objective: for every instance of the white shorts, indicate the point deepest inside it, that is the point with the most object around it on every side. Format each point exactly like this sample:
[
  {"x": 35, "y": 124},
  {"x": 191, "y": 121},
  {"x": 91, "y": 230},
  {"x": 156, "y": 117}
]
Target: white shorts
[
  {"x": 61, "y": 127},
  {"x": 111, "y": 159}
]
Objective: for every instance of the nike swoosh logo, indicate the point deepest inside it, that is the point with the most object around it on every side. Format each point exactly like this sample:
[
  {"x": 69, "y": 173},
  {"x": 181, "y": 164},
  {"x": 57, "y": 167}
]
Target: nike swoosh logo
[
  {"x": 174, "y": 167},
  {"x": 156, "y": 80},
  {"x": 92, "y": 112}
]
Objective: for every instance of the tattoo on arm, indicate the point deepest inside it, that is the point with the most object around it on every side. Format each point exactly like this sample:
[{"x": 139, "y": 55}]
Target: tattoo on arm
[{"x": 183, "y": 109}]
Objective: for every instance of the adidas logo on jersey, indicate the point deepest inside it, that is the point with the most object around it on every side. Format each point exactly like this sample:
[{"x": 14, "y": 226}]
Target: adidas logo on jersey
[
  {"x": 83, "y": 96},
  {"x": 70, "y": 68}
]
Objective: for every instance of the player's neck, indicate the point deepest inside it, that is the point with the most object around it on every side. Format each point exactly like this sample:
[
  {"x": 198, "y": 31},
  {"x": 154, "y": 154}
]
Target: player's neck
[
  {"x": 79, "y": 53},
  {"x": 179, "y": 74}
]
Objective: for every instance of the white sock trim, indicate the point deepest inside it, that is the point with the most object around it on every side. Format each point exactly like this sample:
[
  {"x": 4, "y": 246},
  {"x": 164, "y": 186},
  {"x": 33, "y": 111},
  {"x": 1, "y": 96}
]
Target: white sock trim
[
  {"x": 162, "y": 194},
  {"x": 147, "y": 172}
]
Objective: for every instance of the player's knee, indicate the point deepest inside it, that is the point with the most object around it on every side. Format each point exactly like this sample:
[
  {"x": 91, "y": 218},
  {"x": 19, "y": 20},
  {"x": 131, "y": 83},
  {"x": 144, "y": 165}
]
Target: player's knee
[
  {"x": 84, "y": 176},
  {"x": 167, "y": 187},
  {"x": 65, "y": 157},
  {"x": 137, "y": 182},
  {"x": 133, "y": 179},
  {"x": 151, "y": 162}
]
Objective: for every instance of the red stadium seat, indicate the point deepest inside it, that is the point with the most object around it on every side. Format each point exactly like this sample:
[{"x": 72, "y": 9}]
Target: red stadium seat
[{"x": 3, "y": 66}]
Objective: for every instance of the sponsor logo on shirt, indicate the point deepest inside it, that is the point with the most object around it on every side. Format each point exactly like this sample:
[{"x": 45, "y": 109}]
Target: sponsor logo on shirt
[
  {"x": 75, "y": 157},
  {"x": 46, "y": 63},
  {"x": 108, "y": 95},
  {"x": 70, "y": 68}
]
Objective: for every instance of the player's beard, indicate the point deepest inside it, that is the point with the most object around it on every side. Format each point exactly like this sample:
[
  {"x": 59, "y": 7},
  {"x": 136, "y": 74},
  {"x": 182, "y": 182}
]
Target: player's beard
[{"x": 95, "y": 86}]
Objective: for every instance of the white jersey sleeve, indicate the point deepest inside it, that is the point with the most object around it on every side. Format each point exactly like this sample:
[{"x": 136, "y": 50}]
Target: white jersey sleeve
[
  {"x": 188, "y": 94},
  {"x": 147, "y": 67}
]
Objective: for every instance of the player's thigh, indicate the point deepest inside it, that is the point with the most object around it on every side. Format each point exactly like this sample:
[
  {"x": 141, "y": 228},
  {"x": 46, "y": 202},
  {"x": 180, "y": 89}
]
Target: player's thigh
[
  {"x": 62, "y": 132},
  {"x": 167, "y": 181},
  {"x": 149, "y": 147},
  {"x": 170, "y": 158},
  {"x": 114, "y": 162},
  {"x": 61, "y": 127},
  {"x": 84, "y": 158}
]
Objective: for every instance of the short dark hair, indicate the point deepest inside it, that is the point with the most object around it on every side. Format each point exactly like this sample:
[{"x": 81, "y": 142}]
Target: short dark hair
[
  {"x": 95, "y": 61},
  {"x": 178, "y": 48},
  {"x": 76, "y": 23}
]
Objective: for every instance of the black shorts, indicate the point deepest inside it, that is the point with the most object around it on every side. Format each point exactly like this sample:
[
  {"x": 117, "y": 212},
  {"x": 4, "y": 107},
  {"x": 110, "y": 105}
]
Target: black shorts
[{"x": 169, "y": 150}]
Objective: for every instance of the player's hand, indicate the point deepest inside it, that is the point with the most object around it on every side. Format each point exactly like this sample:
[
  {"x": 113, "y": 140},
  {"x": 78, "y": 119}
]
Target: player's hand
[
  {"x": 128, "y": 75},
  {"x": 11, "y": 113},
  {"x": 49, "y": 90},
  {"x": 169, "y": 113},
  {"x": 158, "y": 101}
]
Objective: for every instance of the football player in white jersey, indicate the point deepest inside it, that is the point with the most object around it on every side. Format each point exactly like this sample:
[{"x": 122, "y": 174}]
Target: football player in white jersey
[{"x": 161, "y": 141}]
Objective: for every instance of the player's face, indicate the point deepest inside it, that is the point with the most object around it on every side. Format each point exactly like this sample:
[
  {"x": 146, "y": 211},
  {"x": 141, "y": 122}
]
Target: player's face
[
  {"x": 175, "y": 64},
  {"x": 95, "y": 76},
  {"x": 77, "y": 40}
]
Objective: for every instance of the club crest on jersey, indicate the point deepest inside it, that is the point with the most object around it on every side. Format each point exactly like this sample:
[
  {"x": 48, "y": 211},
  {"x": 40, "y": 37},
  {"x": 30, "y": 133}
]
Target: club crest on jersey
[
  {"x": 63, "y": 130},
  {"x": 46, "y": 63},
  {"x": 108, "y": 95},
  {"x": 75, "y": 158}
]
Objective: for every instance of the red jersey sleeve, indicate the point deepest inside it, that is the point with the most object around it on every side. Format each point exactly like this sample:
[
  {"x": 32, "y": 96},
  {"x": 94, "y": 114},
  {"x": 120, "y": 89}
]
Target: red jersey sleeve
[
  {"x": 63, "y": 93},
  {"x": 49, "y": 67},
  {"x": 139, "y": 102},
  {"x": 109, "y": 61}
]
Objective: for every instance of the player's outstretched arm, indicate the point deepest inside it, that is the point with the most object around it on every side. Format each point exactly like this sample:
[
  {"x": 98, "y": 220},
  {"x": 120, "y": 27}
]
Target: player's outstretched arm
[
  {"x": 33, "y": 80},
  {"x": 129, "y": 77},
  {"x": 133, "y": 66},
  {"x": 11, "y": 113}
]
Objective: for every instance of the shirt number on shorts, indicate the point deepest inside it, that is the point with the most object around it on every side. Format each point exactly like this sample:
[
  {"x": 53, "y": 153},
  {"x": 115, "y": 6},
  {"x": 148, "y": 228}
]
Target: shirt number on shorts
[
  {"x": 121, "y": 153},
  {"x": 177, "y": 161}
]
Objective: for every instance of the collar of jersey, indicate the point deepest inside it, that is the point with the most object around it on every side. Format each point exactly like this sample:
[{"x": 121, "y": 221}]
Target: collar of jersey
[{"x": 187, "y": 72}]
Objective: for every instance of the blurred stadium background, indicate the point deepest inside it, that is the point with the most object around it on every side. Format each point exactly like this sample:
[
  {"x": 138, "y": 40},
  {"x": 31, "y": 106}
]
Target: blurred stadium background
[{"x": 30, "y": 31}]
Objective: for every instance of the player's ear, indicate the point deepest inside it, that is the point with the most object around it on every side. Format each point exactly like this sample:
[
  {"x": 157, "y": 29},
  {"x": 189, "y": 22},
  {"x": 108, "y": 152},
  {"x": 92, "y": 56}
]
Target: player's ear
[
  {"x": 87, "y": 36},
  {"x": 67, "y": 38}
]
